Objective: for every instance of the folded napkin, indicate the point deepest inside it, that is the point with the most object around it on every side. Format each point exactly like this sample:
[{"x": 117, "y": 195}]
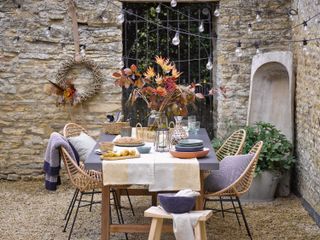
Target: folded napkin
[
  {"x": 187, "y": 193},
  {"x": 183, "y": 225}
]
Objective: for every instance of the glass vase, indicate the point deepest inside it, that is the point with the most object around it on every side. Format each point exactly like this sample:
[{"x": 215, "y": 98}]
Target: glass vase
[{"x": 157, "y": 120}]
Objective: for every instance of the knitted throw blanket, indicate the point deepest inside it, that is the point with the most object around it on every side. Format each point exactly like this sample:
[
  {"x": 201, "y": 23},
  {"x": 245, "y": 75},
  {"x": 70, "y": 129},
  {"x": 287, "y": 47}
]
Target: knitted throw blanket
[{"x": 52, "y": 160}]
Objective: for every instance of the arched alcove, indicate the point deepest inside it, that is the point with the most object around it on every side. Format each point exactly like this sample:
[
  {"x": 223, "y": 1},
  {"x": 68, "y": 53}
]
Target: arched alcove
[{"x": 271, "y": 91}]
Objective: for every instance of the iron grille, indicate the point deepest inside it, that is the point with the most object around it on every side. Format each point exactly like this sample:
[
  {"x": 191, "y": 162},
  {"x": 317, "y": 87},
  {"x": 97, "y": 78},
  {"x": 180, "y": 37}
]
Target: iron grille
[{"x": 145, "y": 38}]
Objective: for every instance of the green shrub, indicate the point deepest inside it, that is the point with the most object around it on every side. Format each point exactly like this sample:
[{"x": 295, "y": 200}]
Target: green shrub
[{"x": 276, "y": 153}]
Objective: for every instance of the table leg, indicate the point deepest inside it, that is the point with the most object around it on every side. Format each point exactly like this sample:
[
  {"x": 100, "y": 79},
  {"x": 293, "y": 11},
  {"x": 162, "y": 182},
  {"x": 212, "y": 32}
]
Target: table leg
[
  {"x": 105, "y": 213},
  {"x": 200, "y": 199}
]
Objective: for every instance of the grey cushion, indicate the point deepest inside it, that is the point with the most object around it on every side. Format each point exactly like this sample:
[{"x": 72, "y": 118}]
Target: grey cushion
[{"x": 231, "y": 168}]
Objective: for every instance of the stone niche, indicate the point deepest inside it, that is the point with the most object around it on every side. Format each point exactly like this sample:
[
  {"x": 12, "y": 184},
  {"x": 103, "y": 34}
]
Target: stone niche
[{"x": 272, "y": 91}]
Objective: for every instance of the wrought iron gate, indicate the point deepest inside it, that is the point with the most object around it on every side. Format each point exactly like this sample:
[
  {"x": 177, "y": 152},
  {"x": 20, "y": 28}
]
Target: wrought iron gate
[{"x": 148, "y": 32}]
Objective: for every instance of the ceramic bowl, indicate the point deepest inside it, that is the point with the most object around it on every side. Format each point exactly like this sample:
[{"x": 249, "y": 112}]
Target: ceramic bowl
[
  {"x": 144, "y": 149},
  {"x": 176, "y": 204}
]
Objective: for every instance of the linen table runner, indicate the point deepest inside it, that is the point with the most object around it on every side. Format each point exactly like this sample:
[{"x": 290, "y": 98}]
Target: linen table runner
[{"x": 160, "y": 171}]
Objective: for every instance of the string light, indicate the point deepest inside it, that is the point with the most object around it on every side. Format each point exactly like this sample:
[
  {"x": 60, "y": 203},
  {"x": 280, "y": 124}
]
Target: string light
[
  {"x": 258, "y": 16},
  {"x": 120, "y": 18},
  {"x": 158, "y": 9},
  {"x": 201, "y": 28},
  {"x": 249, "y": 28},
  {"x": 173, "y": 3},
  {"x": 258, "y": 51},
  {"x": 305, "y": 48},
  {"x": 209, "y": 65},
  {"x": 305, "y": 26},
  {"x": 216, "y": 11},
  {"x": 47, "y": 32},
  {"x": 15, "y": 40},
  {"x": 238, "y": 50},
  {"x": 83, "y": 50},
  {"x": 176, "y": 39},
  {"x": 18, "y": 9}
]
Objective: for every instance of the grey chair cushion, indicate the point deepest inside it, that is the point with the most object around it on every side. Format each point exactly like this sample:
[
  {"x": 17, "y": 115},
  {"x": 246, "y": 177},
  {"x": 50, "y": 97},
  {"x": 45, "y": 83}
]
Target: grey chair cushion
[{"x": 231, "y": 168}]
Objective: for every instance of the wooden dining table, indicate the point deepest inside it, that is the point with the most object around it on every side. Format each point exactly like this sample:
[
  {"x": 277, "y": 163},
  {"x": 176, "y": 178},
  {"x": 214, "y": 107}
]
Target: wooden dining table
[{"x": 94, "y": 162}]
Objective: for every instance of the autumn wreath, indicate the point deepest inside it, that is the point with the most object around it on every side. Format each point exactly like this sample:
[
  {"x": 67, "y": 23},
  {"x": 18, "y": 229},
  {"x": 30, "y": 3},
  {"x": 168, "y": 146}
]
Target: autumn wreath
[{"x": 64, "y": 88}]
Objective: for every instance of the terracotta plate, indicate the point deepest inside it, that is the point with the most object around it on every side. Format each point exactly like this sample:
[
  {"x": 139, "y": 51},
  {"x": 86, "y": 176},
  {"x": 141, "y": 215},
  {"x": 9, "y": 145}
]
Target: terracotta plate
[{"x": 198, "y": 154}]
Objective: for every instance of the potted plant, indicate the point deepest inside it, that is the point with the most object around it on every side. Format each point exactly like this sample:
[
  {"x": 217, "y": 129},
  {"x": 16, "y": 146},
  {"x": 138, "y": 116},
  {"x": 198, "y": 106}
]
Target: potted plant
[{"x": 275, "y": 160}]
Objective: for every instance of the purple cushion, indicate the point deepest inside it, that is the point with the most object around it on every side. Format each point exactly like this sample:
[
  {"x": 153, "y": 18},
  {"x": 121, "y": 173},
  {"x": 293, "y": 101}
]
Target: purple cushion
[{"x": 231, "y": 168}]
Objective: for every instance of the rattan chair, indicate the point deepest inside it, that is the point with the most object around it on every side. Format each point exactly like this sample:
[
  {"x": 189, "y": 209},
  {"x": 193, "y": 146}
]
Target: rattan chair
[
  {"x": 84, "y": 181},
  {"x": 239, "y": 186},
  {"x": 233, "y": 145},
  {"x": 73, "y": 129}
]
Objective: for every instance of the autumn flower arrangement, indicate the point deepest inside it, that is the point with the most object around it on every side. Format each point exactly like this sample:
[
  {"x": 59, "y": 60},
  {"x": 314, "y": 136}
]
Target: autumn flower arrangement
[
  {"x": 159, "y": 90},
  {"x": 65, "y": 95}
]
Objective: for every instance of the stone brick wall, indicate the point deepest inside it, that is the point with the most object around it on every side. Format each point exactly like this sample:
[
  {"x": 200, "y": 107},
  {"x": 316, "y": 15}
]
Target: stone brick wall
[
  {"x": 27, "y": 115},
  {"x": 234, "y": 72},
  {"x": 308, "y": 105}
]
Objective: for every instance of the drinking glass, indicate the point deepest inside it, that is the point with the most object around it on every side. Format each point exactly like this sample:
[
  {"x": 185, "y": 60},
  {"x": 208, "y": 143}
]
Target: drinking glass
[
  {"x": 196, "y": 127},
  {"x": 191, "y": 120}
]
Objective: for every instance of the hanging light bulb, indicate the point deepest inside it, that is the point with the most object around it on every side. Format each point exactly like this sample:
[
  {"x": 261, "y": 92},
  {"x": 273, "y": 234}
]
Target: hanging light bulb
[
  {"x": 305, "y": 26},
  {"x": 201, "y": 27},
  {"x": 290, "y": 17},
  {"x": 120, "y": 18},
  {"x": 18, "y": 9},
  {"x": 15, "y": 40},
  {"x": 47, "y": 32},
  {"x": 238, "y": 50},
  {"x": 158, "y": 9},
  {"x": 209, "y": 65},
  {"x": 176, "y": 39},
  {"x": 249, "y": 28},
  {"x": 305, "y": 48},
  {"x": 258, "y": 16},
  {"x": 216, "y": 11},
  {"x": 173, "y": 3},
  {"x": 83, "y": 50}
]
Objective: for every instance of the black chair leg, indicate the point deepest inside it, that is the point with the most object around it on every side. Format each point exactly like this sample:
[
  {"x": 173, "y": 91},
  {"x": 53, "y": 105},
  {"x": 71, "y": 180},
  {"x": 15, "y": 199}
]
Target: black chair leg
[
  {"x": 133, "y": 214},
  {"x": 235, "y": 211},
  {"x": 71, "y": 209},
  {"x": 71, "y": 203},
  {"x": 75, "y": 216},
  {"x": 244, "y": 218},
  {"x": 205, "y": 204},
  {"x": 221, "y": 204},
  {"x": 91, "y": 200},
  {"x": 118, "y": 208}
]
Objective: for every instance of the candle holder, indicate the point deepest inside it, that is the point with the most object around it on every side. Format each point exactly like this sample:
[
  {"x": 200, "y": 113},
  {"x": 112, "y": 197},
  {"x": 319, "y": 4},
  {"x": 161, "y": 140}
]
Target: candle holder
[{"x": 162, "y": 143}]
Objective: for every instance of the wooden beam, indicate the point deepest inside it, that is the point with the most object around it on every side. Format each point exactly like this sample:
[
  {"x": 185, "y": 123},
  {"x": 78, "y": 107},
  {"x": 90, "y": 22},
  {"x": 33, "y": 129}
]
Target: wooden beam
[{"x": 136, "y": 228}]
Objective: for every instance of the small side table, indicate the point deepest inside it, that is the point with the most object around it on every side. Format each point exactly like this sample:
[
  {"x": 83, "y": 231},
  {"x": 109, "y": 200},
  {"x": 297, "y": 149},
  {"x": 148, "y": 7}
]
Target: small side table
[{"x": 158, "y": 215}]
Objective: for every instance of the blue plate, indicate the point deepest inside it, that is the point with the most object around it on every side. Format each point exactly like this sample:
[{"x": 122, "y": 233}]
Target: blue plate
[
  {"x": 189, "y": 149},
  {"x": 190, "y": 142}
]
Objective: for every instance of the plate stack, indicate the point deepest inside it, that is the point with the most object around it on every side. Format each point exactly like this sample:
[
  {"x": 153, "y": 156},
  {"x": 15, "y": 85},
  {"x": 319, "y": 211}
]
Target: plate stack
[
  {"x": 190, "y": 148},
  {"x": 189, "y": 145}
]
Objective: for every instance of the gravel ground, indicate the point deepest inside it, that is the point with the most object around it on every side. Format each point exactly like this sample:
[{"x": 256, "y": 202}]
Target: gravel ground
[{"x": 28, "y": 211}]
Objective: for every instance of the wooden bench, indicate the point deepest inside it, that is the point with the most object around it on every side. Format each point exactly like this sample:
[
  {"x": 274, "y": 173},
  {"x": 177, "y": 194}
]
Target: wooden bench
[{"x": 158, "y": 215}]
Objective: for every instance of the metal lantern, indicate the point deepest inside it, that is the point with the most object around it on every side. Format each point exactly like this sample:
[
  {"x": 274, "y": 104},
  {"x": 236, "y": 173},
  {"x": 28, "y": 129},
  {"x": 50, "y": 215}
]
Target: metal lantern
[{"x": 162, "y": 143}]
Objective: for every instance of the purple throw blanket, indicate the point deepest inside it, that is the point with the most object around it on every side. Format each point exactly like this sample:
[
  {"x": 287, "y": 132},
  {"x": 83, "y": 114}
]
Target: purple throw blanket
[{"x": 52, "y": 160}]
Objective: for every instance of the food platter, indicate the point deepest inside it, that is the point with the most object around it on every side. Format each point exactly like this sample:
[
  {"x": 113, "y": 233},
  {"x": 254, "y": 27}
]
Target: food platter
[
  {"x": 129, "y": 144},
  {"x": 119, "y": 158}
]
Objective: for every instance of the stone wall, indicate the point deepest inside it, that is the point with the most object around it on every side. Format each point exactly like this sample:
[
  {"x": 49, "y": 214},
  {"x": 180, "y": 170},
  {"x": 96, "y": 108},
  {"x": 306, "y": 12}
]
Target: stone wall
[
  {"x": 307, "y": 98},
  {"x": 234, "y": 72},
  {"x": 27, "y": 114}
]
